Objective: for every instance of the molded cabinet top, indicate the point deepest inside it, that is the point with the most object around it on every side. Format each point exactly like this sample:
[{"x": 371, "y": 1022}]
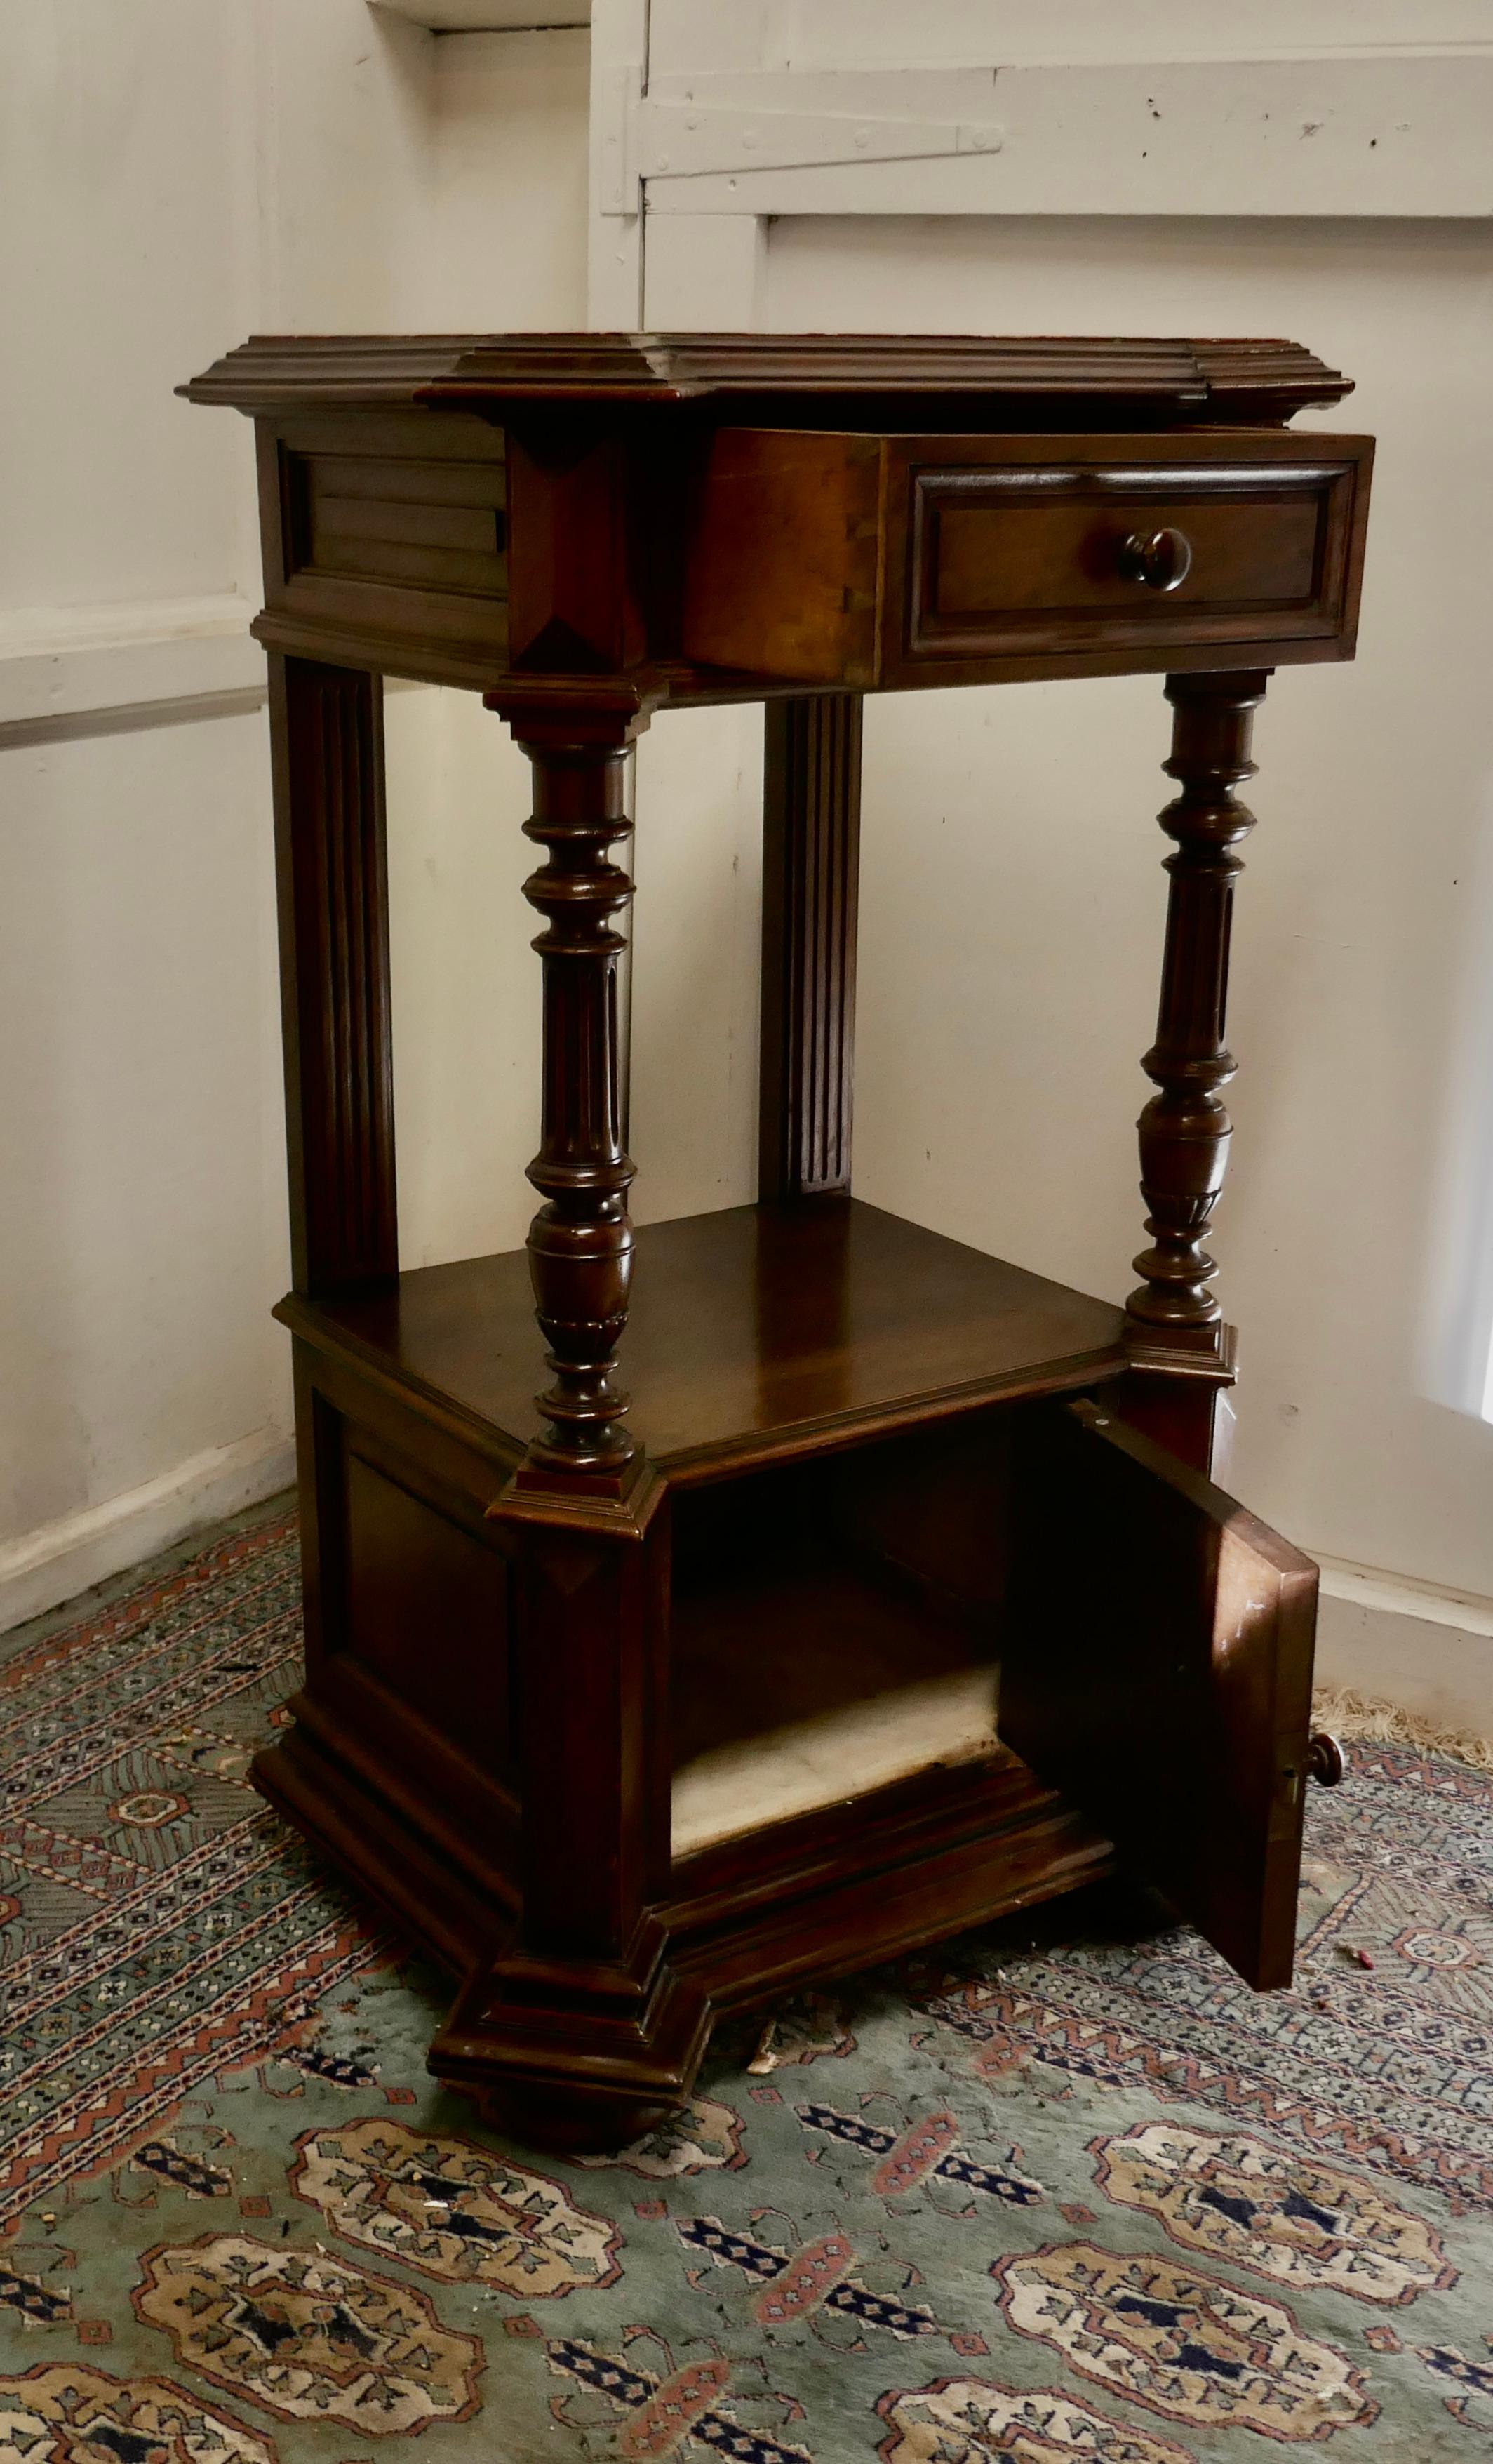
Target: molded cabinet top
[{"x": 933, "y": 380}]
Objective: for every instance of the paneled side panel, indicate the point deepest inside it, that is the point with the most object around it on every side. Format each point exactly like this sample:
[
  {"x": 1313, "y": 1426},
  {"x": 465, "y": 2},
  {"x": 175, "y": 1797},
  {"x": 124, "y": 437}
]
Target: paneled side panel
[
  {"x": 427, "y": 1609},
  {"x": 392, "y": 525},
  {"x": 440, "y": 525},
  {"x": 400, "y": 1761}
]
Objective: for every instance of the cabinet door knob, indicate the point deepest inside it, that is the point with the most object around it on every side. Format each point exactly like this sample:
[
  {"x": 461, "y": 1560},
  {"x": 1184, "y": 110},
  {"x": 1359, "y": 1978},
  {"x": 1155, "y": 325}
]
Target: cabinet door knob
[
  {"x": 1325, "y": 1760},
  {"x": 1158, "y": 562}
]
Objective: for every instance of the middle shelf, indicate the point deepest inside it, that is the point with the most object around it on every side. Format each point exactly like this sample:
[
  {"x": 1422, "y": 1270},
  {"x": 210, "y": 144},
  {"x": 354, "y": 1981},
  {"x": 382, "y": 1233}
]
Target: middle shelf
[{"x": 754, "y": 1331}]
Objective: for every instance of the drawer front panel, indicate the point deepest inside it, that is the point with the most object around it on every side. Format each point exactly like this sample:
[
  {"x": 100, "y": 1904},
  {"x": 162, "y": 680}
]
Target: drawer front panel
[
  {"x": 998, "y": 551},
  {"x": 1110, "y": 552}
]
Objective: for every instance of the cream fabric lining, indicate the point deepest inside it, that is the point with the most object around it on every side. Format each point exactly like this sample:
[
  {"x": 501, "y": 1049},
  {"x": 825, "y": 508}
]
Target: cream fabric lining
[{"x": 833, "y": 1757}]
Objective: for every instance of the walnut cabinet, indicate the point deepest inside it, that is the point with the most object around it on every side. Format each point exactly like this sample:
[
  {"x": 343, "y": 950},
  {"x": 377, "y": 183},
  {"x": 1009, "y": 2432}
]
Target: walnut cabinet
[{"x": 694, "y": 1609}]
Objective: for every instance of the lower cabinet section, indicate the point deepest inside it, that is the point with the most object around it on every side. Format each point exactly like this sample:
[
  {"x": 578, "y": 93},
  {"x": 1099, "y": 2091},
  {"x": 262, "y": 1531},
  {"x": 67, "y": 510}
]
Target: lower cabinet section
[{"x": 621, "y": 1773}]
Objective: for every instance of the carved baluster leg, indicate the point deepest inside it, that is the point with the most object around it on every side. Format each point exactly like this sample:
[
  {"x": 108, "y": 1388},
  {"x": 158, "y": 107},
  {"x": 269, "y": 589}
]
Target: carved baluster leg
[
  {"x": 580, "y": 1241},
  {"x": 578, "y": 2025},
  {"x": 811, "y": 850},
  {"x": 1180, "y": 1351}
]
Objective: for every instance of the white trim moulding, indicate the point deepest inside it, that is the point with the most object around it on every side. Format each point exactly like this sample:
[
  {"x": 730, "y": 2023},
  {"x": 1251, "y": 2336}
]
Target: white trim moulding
[
  {"x": 1365, "y": 1587},
  {"x": 1398, "y": 133},
  {"x": 1428, "y": 1650},
  {"x": 491, "y": 16},
  {"x": 44, "y": 1567},
  {"x": 69, "y": 672},
  {"x": 130, "y": 717}
]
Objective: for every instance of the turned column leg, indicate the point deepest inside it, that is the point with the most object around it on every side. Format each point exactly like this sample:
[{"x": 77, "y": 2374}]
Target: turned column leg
[
  {"x": 1180, "y": 1351},
  {"x": 578, "y": 2025},
  {"x": 580, "y": 1241}
]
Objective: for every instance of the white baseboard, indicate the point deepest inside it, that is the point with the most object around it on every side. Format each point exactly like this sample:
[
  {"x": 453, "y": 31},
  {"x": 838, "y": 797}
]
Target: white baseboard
[
  {"x": 1428, "y": 1650},
  {"x": 47, "y": 1567},
  {"x": 80, "y": 671}
]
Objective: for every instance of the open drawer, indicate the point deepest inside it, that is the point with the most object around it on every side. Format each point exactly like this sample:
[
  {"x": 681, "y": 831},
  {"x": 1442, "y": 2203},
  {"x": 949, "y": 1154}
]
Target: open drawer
[{"x": 901, "y": 561}]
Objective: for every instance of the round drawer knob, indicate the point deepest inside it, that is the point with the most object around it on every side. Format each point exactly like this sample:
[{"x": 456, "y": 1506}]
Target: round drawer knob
[
  {"x": 1158, "y": 562},
  {"x": 1325, "y": 1760}
]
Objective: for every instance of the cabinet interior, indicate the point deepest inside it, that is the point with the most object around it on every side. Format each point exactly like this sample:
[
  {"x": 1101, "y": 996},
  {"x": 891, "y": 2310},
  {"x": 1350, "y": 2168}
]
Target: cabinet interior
[{"x": 834, "y": 1624}]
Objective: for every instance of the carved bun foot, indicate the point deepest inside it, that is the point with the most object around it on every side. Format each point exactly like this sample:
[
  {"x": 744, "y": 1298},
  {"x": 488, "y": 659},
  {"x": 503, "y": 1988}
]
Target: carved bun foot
[
  {"x": 1326, "y": 1761},
  {"x": 576, "y": 2056}
]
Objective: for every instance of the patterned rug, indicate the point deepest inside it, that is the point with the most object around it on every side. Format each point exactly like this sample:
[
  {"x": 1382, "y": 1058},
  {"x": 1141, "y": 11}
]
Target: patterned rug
[{"x": 1071, "y": 2195}]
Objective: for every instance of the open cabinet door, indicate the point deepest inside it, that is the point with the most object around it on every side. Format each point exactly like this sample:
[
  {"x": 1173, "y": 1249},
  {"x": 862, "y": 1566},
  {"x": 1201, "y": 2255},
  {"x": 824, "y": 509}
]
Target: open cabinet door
[{"x": 1158, "y": 1669}]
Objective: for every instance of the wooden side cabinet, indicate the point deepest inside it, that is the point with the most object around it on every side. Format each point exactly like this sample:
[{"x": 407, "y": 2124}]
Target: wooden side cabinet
[{"x": 802, "y": 1586}]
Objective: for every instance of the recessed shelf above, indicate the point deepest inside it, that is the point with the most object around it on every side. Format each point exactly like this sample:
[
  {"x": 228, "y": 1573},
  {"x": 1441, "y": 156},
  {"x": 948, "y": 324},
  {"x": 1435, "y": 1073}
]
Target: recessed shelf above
[{"x": 490, "y": 16}]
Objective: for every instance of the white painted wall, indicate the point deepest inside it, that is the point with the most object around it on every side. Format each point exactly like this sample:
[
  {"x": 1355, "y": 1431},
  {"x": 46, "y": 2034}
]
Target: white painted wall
[
  {"x": 143, "y": 1233},
  {"x": 144, "y": 1226},
  {"x": 172, "y": 176},
  {"x": 506, "y": 250}
]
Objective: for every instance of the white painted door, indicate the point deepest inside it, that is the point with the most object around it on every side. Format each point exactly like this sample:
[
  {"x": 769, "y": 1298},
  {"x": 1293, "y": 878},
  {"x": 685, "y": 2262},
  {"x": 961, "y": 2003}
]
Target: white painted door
[{"x": 738, "y": 112}]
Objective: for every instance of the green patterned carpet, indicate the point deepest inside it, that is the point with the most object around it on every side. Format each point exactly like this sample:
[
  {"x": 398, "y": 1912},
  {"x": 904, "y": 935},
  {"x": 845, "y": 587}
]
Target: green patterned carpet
[{"x": 1082, "y": 2197}]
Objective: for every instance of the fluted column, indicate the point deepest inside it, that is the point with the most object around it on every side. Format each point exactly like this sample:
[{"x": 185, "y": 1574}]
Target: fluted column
[
  {"x": 811, "y": 855},
  {"x": 327, "y": 738},
  {"x": 580, "y": 1241}
]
